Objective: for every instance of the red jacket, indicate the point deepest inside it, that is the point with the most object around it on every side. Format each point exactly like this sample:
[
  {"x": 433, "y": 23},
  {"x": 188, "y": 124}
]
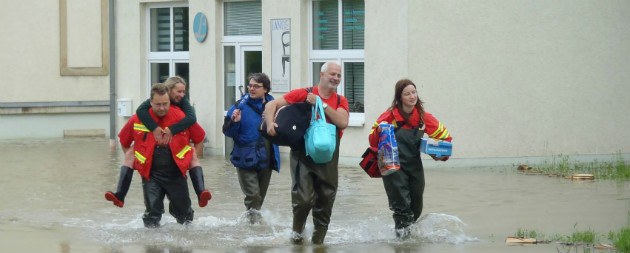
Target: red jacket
[
  {"x": 144, "y": 142},
  {"x": 432, "y": 127}
]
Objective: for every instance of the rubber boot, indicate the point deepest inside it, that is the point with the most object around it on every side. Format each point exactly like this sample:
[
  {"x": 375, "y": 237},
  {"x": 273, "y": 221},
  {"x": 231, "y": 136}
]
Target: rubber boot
[
  {"x": 296, "y": 238},
  {"x": 254, "y": 216},
  {"x": 124, "y": 181},
  {"x": 402, "y": 225},
  {"x": 196, "y": 177},
  {"x": 319, "y": 233}
]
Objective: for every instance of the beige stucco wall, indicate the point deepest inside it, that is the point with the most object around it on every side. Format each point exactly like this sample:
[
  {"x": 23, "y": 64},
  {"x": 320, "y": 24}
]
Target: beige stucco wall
[
  {"x": 31, "y": 57},
  {"x": 507, "y": 78},
  {"x": 131, "y": 80},
  {"x": 386, "y": 61},
  {"x": 30, "y": 67},
  {"x": 525, "y": 78},
  {"x": 206, "y": 61}
]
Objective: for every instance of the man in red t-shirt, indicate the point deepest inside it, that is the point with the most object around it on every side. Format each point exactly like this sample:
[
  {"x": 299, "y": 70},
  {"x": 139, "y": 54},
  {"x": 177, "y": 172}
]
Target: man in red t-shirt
[{"x": 314, "y": 186}]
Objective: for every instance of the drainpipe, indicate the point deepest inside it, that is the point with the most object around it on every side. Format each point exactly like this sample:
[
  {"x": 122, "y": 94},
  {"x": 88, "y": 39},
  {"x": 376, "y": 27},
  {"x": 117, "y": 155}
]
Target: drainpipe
[{"x": 112, "y": 77}]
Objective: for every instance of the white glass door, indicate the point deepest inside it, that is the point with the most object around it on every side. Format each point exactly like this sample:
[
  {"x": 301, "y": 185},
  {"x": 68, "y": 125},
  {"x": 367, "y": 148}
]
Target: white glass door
[{"x": 239, "y": 61}]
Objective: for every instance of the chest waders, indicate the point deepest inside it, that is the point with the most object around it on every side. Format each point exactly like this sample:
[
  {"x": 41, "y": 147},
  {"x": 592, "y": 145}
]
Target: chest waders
[
  {"x": 405, "y": 187},
  {"x": 314, "y": 186},
  {"x": 255, "y": 182},
  {"x": 165, "y": 180}
]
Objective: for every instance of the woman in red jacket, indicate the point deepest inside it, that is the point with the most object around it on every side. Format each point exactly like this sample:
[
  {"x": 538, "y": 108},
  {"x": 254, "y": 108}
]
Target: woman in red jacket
[{"x": 405, "y": 187}]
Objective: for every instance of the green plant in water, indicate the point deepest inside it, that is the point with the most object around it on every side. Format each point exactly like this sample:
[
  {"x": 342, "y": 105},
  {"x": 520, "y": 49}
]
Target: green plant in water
[
  {"x": 539, "y": 236},
  {"x": 577, "y": 237},
  {"x": 524, "y": 233},
  {"x": 586, "y": 237},
  {"x": 561, "y": 165},
  {"x": 621, "y": 238},
  {"x": 622, "y": 170}
]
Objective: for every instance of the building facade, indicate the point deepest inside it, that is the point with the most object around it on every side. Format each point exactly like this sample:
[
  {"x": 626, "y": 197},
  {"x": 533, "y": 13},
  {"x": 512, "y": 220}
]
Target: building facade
[{"x": 507, "y": 78}]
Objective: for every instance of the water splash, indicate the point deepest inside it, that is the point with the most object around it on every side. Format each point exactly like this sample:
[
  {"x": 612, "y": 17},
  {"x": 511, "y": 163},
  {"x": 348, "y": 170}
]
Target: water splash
[
  {"x": 432, "y": 228},
  {"x": 442, "y": 228}
]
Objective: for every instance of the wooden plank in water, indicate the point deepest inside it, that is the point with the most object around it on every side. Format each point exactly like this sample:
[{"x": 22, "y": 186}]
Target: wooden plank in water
[
  {"x": 583, "y": 176},
  {"x": 517, "y": 241}
]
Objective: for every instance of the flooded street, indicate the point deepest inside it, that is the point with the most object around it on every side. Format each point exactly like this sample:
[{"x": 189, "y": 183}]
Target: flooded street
[{"x": 51, "y": 200}]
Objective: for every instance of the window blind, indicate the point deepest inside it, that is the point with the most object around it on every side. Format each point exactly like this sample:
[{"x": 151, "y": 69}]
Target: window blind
[
  {"x": 160, "y": 30},
  {"x": 353, "y": 23},
  {"x": 242, "y": 18},
  {"x": 325, "y": 25},
  {"x": 180, "y": 28},
  {"x": 353, "y": 82}
]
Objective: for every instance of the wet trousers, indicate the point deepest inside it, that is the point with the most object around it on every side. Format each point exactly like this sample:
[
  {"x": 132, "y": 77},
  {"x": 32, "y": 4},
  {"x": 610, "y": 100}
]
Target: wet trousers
[
  {"x": 404, "y": 192},
  {"x": 254, "y": 185},
  {"x": 166, "y": 180},
  {"x": 314, "y": 186}
]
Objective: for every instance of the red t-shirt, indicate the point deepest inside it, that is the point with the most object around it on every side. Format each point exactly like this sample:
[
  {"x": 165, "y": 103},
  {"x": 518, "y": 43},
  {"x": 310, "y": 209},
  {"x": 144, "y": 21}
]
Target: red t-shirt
[{"x": 299, "y": 95}]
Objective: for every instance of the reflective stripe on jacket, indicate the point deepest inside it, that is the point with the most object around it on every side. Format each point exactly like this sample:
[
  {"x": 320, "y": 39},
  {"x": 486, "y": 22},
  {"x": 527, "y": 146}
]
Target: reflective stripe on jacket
[
  {"x": 144, "y": 143},
  {"x": 431, "y": 126}
]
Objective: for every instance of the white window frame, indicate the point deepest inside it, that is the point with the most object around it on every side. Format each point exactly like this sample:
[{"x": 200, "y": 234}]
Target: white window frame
[
  {"x": 239, "y": 50},
  {"x": 171, "y": 57},
  {"x": 340, "y": 55}
]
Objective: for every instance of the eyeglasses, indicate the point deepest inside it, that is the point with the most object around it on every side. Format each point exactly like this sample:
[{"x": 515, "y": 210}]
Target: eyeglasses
[{"x": 255, "y": 87}]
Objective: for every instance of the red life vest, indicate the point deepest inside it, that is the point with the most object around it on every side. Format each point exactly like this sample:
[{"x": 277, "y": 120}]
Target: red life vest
[{"x": 144, "y": 143}]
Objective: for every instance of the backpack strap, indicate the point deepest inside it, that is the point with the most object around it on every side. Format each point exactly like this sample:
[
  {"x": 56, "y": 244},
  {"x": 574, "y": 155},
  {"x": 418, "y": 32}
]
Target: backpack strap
[
  {"x": 309, "y": 90},
  {"x": 254, "y": 108},
  {"x": 250, "y": 106}
]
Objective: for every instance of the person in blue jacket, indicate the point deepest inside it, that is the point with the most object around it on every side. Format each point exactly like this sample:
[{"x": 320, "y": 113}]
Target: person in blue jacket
[{"x": 253, "y": 156}]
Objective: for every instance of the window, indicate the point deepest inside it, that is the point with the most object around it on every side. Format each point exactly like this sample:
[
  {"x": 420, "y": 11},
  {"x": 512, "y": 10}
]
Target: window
[
  {"x": 353, "y": 85},
  {"x": 168, "y": 43},
  {"x": 242, "y": 18},
  {"x": 337, "y": 34},
  {"x": 327, "y": 20},
  {"x": 242, "y": 46}
]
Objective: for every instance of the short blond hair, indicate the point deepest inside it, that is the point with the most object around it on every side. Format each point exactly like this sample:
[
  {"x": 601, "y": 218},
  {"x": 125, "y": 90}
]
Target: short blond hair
[{"x": 159, "y": 89}]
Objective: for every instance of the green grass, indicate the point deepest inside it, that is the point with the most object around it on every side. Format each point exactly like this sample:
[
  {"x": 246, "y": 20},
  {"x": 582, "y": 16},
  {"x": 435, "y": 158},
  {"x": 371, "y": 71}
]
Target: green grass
[
  {"x": 577, "y": 237},
  {"x": 619, "y": 239},
  {"x": 524, "y": 233},
  {"x": 617, "y": 168},
  {"x": 582, "y": 237}
]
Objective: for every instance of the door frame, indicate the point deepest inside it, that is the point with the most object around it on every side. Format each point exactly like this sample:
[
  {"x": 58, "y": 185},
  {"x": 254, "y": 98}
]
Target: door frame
[{"x": 239, "y": 76}]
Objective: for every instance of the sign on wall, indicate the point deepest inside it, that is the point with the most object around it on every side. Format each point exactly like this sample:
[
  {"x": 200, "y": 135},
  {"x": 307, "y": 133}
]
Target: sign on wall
[
  {"x": 281, "y": 55},
  {"x": 200, "y": 26}
]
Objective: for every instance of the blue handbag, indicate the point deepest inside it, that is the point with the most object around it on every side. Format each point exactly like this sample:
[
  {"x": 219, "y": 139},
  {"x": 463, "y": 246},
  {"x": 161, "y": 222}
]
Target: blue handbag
[{"x": 320, "y": 137}]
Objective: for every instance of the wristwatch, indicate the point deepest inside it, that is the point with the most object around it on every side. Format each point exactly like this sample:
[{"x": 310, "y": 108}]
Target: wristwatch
[{"x": 325, "y": 105}]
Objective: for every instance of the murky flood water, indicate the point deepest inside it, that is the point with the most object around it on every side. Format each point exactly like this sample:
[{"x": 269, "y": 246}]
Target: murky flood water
[{"x": 51, "y": 200}]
